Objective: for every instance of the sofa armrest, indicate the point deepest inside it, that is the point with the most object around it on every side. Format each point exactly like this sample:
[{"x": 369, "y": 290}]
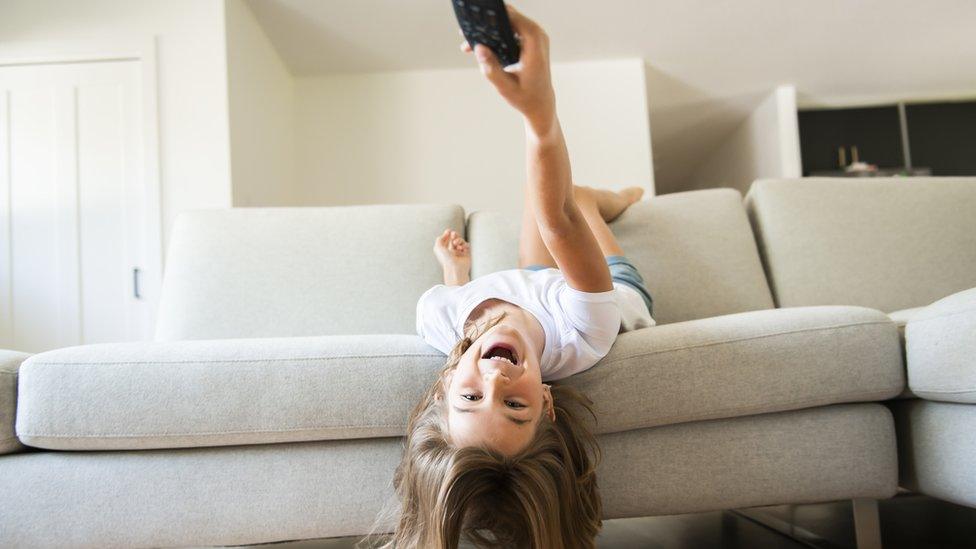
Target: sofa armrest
[{"x": 9, "y": 364}]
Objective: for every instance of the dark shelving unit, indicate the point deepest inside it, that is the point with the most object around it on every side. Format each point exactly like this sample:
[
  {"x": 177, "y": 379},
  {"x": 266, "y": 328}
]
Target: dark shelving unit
[{"x": 901, "y": 139}]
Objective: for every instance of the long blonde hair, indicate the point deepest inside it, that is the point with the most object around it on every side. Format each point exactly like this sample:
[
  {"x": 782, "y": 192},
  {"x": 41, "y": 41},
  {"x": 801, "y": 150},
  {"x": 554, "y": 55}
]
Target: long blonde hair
[{"x": 544, "y": 497}]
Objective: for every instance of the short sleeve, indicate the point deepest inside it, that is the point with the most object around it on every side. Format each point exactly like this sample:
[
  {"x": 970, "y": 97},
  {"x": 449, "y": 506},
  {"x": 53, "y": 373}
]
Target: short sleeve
[
  {"x": 595, "y": 315},
  {"x": 434, "y": 320}
]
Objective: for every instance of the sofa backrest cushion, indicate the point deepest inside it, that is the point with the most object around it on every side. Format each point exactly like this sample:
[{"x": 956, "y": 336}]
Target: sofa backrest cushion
[
  {"x": 266, "y": 272},
  {"x": 885, "y": 243},
  {"x": 695, "y": 251}
]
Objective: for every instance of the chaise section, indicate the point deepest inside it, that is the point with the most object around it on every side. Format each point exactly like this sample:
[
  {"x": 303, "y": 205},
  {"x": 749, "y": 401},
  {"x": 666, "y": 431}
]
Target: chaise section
[
  {"x": 270, "y": 272},
  {"x": 695, "y": 251},
  {"x": 936, "y": 448},
  {"x": 941, "y": 349},
  {"x": 935, "y": 435},
  {"x": 259, "y": 391},
  {"x": 265, "y": 493},
  {"x": 9, "y": 364}
]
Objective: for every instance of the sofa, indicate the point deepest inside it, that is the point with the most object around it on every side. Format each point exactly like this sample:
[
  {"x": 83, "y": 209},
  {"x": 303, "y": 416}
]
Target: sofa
[{"x": 270, "y": 404}]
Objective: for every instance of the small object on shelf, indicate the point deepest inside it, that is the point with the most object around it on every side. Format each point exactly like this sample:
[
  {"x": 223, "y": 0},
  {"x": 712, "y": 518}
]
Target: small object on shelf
[
  {"x": 879, "y": 172},
  {"x": 860, "y": 167}
]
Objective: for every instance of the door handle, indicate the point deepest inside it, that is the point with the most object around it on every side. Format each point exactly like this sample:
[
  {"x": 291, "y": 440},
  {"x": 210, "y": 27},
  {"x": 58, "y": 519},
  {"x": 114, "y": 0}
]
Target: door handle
[{"x": 135, "y": 283}]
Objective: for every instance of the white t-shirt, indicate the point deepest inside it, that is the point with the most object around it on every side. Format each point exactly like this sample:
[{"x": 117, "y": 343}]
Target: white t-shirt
[{"x": 580, "y": 326}]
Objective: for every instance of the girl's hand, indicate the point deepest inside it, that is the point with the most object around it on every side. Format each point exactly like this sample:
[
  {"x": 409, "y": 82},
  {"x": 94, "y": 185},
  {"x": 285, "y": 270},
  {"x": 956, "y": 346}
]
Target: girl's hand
[
  {"x": 453, "y": 253},
  {"x": 526, "y": 85}
]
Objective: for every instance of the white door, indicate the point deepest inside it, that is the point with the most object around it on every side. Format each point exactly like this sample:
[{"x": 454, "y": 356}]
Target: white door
[{"x": 72, "y": 204}]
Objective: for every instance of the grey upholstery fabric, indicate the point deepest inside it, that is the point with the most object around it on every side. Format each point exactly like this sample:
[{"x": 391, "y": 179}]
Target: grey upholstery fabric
[
  {"x": 941, "y": 349},
  {"x": 936, "y": 449},
  {"x": 222, "y": 392},
  {"x": 194, "y": 497},
  {"x": 742, "y": 364},
  {"x": 695, "y": 251},
  {"x": 253, "y": 494},
  {"x": 821, "y": 454},
  {"x": 9, "y": 364},
  {"x": 885, "y": 243},
  {"x": 266, "y": 272},
  {"x": 209, "y": 393},
  {"x": 901, "y": 318}
]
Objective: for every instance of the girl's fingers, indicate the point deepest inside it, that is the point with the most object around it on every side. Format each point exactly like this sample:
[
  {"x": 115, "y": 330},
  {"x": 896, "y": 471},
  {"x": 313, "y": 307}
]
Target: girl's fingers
[
  {"x": 504, "y": 82},
  {"x": 532, "y": 36}
]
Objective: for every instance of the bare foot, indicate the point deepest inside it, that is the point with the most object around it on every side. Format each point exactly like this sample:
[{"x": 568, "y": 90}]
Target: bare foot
[{"x": 632, "y": 194}]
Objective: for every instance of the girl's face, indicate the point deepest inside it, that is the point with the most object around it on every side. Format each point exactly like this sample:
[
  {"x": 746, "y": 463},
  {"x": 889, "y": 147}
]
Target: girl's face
[{"x": 495, "y": 396}]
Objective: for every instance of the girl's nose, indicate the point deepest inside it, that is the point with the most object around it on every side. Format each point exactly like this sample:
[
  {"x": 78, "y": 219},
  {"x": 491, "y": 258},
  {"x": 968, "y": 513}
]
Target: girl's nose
[{"x": 495, "y": 376}]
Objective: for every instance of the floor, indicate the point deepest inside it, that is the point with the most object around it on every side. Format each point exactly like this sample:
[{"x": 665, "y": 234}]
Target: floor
[{"x": 908, "y": 521}]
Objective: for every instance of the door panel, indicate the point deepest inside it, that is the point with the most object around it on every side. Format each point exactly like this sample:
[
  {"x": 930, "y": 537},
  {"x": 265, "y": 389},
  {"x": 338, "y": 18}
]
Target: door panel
[
  {"x": 33, "y": 219},
  {"x": 77, "y": 204}
]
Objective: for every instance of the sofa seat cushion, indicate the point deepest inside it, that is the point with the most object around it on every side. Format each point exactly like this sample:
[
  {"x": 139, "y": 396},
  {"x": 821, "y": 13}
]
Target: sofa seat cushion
[
  {"x": 940, "y": 349},
  {"x": 9, "y": 363},
  {"x": 743, "y": 364},
  {"x": 224, "y": 392}
]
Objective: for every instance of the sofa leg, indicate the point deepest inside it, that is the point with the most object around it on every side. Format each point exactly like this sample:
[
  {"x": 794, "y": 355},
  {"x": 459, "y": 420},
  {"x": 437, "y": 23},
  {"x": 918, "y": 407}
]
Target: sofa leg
[
  {"x": 787, "y": 528},
  {"x": 867, "y": 525}
]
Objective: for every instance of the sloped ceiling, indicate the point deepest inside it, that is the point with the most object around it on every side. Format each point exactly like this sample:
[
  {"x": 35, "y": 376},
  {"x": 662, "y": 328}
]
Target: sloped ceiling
[{"x": 709, "y": 61}]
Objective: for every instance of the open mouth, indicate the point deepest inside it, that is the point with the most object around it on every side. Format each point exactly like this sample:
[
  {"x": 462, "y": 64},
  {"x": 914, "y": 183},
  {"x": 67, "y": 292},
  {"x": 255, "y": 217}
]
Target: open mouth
[{"x": 501, "y": 351}]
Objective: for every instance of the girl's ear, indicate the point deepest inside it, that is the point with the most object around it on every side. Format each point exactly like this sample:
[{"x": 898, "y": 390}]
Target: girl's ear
[{"x": 547, "y": 402}]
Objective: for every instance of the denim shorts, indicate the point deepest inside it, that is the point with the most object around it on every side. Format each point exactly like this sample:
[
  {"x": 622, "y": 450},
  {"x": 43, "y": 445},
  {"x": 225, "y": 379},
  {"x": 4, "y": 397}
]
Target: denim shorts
[{"x": 622, "y": 271}]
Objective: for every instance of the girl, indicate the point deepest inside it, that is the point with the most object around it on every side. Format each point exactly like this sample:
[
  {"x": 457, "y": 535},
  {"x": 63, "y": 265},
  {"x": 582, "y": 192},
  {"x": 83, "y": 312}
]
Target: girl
[{"x": 492, "y": 452}]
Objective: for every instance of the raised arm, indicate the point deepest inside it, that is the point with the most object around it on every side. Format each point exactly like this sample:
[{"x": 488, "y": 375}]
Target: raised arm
[{"x": 527, "y": 86}]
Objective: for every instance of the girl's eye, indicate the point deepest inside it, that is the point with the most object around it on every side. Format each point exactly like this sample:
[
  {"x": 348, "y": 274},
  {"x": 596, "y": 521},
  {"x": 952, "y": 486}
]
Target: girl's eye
[
  {"x": 471, "y": 397},
  {"x": 513, "y": 404}
]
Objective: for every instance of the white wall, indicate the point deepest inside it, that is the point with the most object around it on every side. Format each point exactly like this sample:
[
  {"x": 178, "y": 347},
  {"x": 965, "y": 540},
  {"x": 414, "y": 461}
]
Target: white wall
[
  {"x": 445, "y": 136},
  {"x": 192, "y": 78},
  {"x": 766, "y": 144},
  {"x": 261, "y": 101}
]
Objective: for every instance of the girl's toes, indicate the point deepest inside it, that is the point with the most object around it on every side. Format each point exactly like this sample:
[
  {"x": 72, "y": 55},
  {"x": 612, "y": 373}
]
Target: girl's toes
[{"x": 632, "y": 194}]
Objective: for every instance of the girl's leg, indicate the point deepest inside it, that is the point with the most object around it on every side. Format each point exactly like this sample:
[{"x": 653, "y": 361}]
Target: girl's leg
[
  {"x": 610, "y": 203},
  {"x": 598, "y": 206},
  {"x": 589, "y": 203}
]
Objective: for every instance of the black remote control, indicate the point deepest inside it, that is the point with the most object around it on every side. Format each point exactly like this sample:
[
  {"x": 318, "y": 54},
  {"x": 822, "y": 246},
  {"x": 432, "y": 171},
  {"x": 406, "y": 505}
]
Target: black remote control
[{"x": 486, "y": 22}]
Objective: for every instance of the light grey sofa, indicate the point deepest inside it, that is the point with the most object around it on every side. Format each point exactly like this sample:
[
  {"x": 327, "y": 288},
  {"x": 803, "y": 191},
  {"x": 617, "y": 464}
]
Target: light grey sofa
[
  {"x": 896, "y": 245},
  {"x": 286, "y": 363}
]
